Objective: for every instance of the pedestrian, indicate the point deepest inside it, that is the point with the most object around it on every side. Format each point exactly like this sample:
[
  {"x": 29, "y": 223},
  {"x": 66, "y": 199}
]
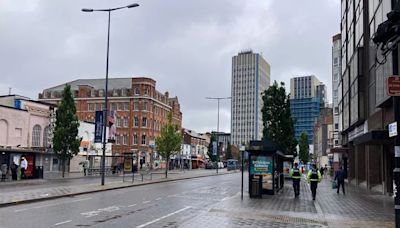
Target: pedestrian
[
  {"x": 321, "y": 170},
  {"x": 14, "y": 169},
  {"x": 4, "y": 171},
  {"x": 24, "y": 167},
  {"x": 84, "y": 166},
  {"x": 296, "y": 177},
  {"x": 339, "y": 177},
  {"x": 314, "y": 177}
]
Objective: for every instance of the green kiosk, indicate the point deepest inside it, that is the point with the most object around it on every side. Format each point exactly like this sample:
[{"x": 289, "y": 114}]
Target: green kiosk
[{"x": 266, "y": 176}]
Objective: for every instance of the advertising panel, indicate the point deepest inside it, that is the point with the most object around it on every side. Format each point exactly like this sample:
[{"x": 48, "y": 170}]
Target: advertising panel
[{"x": 112, "y": 120}]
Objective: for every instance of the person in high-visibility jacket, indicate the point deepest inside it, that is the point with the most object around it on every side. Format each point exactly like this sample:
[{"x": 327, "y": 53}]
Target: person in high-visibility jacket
[
  {"x": 296, "y": 177},
  {"x": 314, "y": 177}
]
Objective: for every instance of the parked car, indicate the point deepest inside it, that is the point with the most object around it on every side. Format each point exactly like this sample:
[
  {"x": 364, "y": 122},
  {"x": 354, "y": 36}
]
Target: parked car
[{"x": 232, "y": 164}]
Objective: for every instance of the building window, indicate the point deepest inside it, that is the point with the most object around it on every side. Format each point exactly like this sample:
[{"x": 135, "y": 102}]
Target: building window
[
  {"x": 144, "y": 122},
  {"x": 126, "y": 106},
  {"x": 336, "y": 126},
  {"x": 120, "y": 106},
  {"x": 125, "y": 140},
  {"x": 92, "y": 93},
  {"x": 136, "y": 106},
  {"x": 113, "y": 106},
  {"x": 143, "y": 139},
  {"x": 125, "y": 122},
  {"x": 46, "y": 137},
  {"x": 137, "y": 92},
  {"x": 36, "y": 132},
  {"x": 118, "y": 141},
  {"x": 91, "y": 107},
  {"x": 145, "y": 106},
  {"x": 136, "y": 121},
  {"x": 101, "y": 93},
  {"x": 123, "y": 92},
  {"x": 134, "y": 141},
  {"x": 336, "y": 142}
]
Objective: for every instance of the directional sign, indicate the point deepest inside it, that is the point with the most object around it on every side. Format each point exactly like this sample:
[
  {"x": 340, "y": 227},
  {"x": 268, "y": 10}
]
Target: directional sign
[{"x": 393, "y": 86}]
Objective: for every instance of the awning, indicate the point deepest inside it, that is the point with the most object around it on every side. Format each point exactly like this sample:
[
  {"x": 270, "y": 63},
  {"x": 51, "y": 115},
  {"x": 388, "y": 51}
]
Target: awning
[{"x": 374, "y": 137}]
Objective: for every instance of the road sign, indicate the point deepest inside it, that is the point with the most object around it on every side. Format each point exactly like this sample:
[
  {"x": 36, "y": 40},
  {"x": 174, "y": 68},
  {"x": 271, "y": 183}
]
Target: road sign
[
  {"x": 393, "y": 86},
  {"x": 393, "y": 129}
]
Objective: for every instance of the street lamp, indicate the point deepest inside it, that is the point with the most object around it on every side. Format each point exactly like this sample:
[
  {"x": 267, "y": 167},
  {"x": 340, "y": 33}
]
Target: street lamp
[
  {"x": 218, "y": 99},
  {"x": 103, "y": 159}
]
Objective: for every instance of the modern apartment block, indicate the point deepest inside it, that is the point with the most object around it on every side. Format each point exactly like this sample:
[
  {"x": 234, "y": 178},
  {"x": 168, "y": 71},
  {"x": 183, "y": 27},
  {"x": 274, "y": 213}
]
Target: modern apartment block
[
  {"x": 140, "y": 109},
  {"x": 250, "y": 77},
  {"x": 307, "y": 96},
  {"x": 366, "y": 109},
  {"x": 336, "y": 90}
]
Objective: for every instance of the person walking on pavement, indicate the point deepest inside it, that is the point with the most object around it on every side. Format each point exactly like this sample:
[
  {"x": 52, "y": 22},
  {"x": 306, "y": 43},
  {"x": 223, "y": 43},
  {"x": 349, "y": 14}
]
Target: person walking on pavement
[
  {"x": 14, "y": 169},
  {"x": 296, "y": 176},
  {"x": 24, "y": 167},
  {"x": 314, "y": 177},
  {"x": 339, "y": 177}
]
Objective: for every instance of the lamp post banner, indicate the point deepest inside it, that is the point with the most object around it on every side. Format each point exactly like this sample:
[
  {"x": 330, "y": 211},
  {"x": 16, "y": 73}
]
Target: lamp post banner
[{"x": 98, "y": 131}]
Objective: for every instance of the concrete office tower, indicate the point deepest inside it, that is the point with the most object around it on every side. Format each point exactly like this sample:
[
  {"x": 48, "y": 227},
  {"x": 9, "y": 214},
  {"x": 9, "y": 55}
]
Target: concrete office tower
[
  {"x": 250, "y": 77},
  {"x": 307, "y": 96},
  {"x": 336, "y": 90}
]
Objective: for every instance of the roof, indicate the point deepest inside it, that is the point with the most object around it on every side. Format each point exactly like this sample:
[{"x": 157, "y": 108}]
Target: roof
[
  {"x": 113, "y": 83},
  {"x": 194, "y": 134}
]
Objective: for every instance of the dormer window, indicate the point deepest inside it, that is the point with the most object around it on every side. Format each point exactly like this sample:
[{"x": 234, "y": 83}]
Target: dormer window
[{"x": 137, "y": 92}]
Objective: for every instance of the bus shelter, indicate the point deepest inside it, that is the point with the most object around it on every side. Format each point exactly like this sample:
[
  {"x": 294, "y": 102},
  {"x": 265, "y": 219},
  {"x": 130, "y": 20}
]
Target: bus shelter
[{"x": 266, "y": 168}]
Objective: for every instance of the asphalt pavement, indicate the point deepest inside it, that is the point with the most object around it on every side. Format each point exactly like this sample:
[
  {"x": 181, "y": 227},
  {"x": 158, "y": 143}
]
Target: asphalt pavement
[{"x": 212, "y": 201}]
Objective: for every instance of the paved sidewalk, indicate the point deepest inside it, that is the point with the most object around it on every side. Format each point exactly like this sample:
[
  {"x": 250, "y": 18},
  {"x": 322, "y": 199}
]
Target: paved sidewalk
[
  {"x": 47, "y": 189},
  {"x": 355, "y": 209}
]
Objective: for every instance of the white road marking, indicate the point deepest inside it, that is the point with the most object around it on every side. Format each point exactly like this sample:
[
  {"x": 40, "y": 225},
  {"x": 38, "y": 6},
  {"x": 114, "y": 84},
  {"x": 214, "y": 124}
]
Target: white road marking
[
  {"x": 144, "y": 202},
  {"x": 51, "y": 205},
  {"x": 159, "y": 198},
  {"x": 89, "y": 214},
  {"x": 61, "y": 223},
  {"x": 163, "y": 217},
  {"x": 132, "y": 205},
  {"x": 43, "y": 195}
]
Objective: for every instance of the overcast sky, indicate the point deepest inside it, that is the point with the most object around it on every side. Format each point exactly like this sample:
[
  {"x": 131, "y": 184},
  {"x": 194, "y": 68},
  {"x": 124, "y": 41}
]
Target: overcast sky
[{"x": 186, "y": 46}]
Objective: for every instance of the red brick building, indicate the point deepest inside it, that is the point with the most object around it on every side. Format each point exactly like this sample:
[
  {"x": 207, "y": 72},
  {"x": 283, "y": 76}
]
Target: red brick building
[{"x": 141, "y": 109}]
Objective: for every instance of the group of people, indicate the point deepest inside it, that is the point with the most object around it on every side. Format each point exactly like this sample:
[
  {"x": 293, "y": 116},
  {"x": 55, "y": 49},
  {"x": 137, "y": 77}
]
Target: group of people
[
  {"x": 5, "y": 170},
  {"x": 314, "y": 176}
]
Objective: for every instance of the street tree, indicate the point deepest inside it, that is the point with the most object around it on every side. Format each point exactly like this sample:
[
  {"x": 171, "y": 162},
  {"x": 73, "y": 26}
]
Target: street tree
[
  {"x": 169, "y": 141},
  {"x": 66, "y": 141},
  {"x": 304, "y": 152},
  {"x": 210, "y": 150},
  {"x": 277, "y": 118},
  {"x": 228, "y": 154}
]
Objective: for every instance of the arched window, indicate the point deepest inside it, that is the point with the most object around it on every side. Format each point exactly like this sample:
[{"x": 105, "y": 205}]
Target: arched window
[
  {"x": 46, "y": 137},
  {"x": 36, "y": 132},
  {"x": 3, "y": 132}
]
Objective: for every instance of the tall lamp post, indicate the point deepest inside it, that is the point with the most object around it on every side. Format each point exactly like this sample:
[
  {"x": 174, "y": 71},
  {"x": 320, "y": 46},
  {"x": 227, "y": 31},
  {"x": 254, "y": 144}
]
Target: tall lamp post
[
  {"x": 218, "y": 99},
  {"x": 103, "y": 158}
]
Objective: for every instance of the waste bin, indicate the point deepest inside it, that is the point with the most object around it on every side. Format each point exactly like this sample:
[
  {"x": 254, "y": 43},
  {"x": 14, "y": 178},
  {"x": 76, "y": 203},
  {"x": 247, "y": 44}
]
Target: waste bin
[
  {"x": 38, "y": 172},
  {"x": 255, "y": 188}
]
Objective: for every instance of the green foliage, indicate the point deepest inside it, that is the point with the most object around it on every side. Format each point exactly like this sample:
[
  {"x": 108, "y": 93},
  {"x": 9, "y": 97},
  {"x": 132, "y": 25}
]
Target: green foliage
[
  {"x": 304, "y": 152},
  {"x": 212, "y": 157},
  {"x": 66, "y": 142},
  {"x": 169, "y": 141},
  {"x": 277, "y": 118},
  {"x": 228, "y": 154}
]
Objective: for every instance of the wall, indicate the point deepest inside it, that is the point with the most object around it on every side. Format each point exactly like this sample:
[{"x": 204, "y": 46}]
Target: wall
[{"x": 17, "y": 131}]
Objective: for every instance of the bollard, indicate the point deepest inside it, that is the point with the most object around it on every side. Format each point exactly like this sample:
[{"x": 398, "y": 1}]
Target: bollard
[
  {"x": 151, "y": 176},
  {"x": 142, "y": 176}
]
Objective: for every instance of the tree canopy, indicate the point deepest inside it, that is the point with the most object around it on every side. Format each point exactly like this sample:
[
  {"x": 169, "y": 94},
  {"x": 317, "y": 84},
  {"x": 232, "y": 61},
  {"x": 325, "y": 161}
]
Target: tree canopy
[
  {"x": 304, "y": 152},
  {"x": 66, "y": 142},
  {"x": 277, "y": 118},
  {"x": 169, "y": 141}
]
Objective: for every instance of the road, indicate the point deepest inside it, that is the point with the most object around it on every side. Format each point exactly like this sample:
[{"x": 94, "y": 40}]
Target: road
[{"x": 156, "y": 205}]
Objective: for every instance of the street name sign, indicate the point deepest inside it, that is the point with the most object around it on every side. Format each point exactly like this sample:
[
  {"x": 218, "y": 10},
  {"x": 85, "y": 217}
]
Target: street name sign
[{"x": 393, "y": 129}]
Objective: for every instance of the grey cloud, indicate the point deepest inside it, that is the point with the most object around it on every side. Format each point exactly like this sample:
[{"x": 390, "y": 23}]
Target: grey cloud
[{"x": 185, "y": 45}]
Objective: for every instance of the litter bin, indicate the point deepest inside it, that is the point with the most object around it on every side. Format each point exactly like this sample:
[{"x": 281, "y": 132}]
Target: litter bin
[
  {"x": 255, "y": 188},
  {"x": 38, "y": 172}
]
